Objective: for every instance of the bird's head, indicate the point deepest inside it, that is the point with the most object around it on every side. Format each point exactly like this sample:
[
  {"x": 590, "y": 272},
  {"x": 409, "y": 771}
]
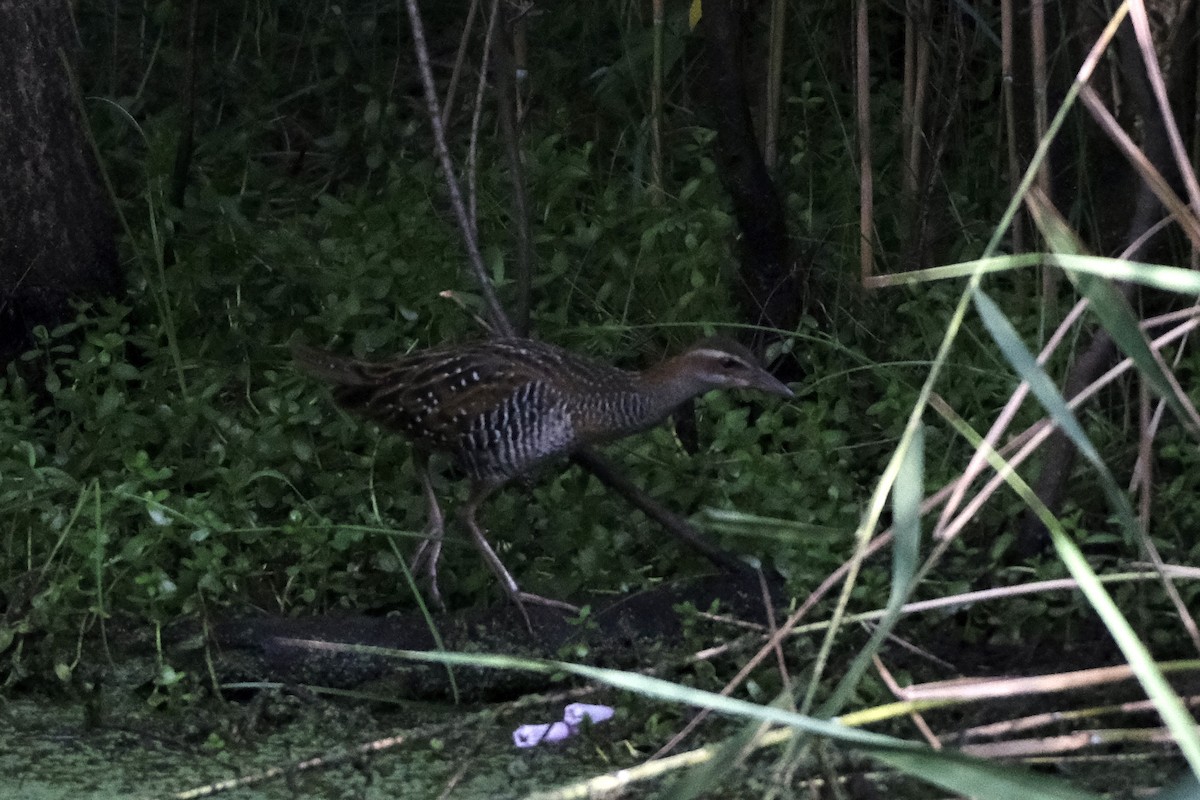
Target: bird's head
[{"x": 719, "y": 363}]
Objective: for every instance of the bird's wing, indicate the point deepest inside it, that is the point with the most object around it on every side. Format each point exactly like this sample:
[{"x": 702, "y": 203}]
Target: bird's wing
[{"x": 438, "y": 392}]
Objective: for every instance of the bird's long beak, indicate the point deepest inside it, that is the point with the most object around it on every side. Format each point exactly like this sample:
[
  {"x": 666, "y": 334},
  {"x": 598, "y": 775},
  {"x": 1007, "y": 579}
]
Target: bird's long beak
[{"x": 766, "y": 382}]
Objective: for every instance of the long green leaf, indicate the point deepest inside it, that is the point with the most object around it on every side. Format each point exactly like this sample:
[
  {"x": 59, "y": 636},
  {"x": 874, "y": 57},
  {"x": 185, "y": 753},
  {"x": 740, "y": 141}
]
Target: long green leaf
[
  {"x": 1118, "y": 319},
  {"x": 964, "y": 269},
  {"x": 979, "y": 779},
  {"x": 1109, "y": 305},
  {"x": 1010, "y": 344},
  {"x": 1155, "y": 276},
  {"x": 739, "y": 523}
]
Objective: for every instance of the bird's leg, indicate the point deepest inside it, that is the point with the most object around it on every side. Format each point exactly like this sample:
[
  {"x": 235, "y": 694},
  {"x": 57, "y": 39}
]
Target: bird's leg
[
  {"x": 479, "y": 493},
  {"x": 430, "y": 550}
]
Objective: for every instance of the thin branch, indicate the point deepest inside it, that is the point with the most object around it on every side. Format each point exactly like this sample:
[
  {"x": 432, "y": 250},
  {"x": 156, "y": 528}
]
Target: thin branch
[
  {"x": 500, "y": 321},
  {"x": 778, "y": 26},
  {"x": 1010, "y": 122},
  {"x": 866, "y": 202},
  {"x": 459, "y": 58},
  {"x": 656, "y": 108},
  {"x": 506, "y": 108}
]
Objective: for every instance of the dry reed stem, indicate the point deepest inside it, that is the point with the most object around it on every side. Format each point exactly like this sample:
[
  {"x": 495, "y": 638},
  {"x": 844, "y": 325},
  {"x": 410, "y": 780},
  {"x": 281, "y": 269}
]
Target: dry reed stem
[
  {"x": 1041, "y": 117},
  {"x": 1158, "y": 184},
  {"x": 960, "y": 689},
  {"x": 866, "y": 179},
  {"x": 914, "y": 133},
  {"x": 1145, "y": 460},
  {"x": 910, "y": 74},
  {"x": 1010, "y": 122},
  {"x": 1141, "y": 28},
  {"x": 915, "y": 715},
  {"x": 1035, "y": 721},
  {"x": 952, "y": 602},
  {"x": 1068, "y": 743},
  {"x": 1160, "y": 408},
  {"x": 319, "y": 762},
  {"x": 777, "y": 27}
]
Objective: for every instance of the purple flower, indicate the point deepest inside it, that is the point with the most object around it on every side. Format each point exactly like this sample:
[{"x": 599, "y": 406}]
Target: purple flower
[
  {"x": 578, "y": 712},
  {"x": 574, "y": 714},
  {"x": 533, "y": 735}
]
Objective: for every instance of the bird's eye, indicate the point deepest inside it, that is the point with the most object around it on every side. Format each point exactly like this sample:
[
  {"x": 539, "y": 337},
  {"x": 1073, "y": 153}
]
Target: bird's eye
[{"x": 731, "y": 363}]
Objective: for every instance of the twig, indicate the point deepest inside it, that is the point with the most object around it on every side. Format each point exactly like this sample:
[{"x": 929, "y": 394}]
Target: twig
[
  {"x": 866, "y": 178},
  {"x": 499, "y": 319},
  {"x": 890, "y": 682},
  {"x": 1057, "y": 718},
  {"x": 477, "y": 115},
  {"x": 963, "y": 689},
  {"x": 506, "y": 108},
  {"x": 459, "y": 58}
]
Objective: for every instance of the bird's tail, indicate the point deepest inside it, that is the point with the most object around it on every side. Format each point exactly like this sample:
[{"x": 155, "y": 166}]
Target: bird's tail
[{"x": 330, "y": 367}]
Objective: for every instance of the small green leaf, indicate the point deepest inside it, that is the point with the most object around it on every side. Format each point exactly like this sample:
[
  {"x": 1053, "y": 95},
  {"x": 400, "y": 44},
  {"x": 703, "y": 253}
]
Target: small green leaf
[
  {"x": 371, "y": 113},
  {"x": 689, "y": 189}
]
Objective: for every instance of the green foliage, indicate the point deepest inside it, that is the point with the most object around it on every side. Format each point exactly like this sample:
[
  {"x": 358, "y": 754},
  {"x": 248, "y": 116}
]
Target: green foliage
[{"x": 161, "y": 460}]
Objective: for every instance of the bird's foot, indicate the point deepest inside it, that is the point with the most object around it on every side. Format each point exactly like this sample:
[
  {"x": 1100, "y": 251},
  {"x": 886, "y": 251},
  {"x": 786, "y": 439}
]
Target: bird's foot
[
  {"x": 520, "y": 598},
  {"x": 427, "y": 555},
  {"x": 426, "y": 560},
  {"x": 528, "y": 597}
]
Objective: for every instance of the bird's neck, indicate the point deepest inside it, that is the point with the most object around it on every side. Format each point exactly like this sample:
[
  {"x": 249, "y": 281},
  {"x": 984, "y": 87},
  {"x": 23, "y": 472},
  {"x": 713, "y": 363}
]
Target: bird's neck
[
  {"x": 666, "y": 385},
  {"x": 629, "y": 402}
]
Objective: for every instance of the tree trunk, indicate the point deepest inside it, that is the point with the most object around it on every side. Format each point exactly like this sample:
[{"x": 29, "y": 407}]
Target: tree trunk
[
  {"x": 771, "y": 292},
  {"x": 58, "y": 235}
]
